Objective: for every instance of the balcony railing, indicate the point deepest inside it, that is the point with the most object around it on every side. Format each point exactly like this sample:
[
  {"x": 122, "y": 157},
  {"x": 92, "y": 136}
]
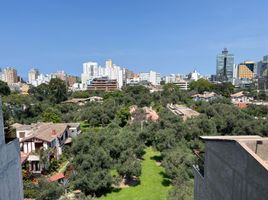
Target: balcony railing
[{"x": 199, "y": 162}]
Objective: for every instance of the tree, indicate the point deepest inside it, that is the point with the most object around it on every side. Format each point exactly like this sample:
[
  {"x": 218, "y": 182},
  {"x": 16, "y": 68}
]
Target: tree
[
  {"x": 40, "y": 92},
  {"x": 92, "y": 165},
  {"x": 178, "y": 162},
  {"x": 57, "y": 90},
  {"x": 225, "y": 89},
  {"x": 201, "y": 85},
  {"x": 172, "y": 94},
  {"x": 123, "y": 116},
  {"x": 4, "y": 89},
  {"x": 48, "y": 191},
  {"x": 80, "y": 94},
  {"x": 51, "y": 115},
  {"x": 137, "y": 95}
]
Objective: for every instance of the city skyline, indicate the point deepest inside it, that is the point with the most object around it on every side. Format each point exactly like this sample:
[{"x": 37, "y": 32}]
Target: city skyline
[{"x": 170, "y": 37}]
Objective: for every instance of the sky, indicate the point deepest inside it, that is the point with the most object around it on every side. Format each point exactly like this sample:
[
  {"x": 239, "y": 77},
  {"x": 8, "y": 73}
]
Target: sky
[{"x": 168, "y": 36}]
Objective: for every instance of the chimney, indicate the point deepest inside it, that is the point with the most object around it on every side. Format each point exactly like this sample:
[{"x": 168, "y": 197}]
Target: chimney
[{"x": 54, "y": 132}]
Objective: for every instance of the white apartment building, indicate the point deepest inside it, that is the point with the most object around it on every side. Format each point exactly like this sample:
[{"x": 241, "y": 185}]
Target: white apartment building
[
  {"x": 92, "y": 70},
  {"x": 33, "y": 75},
  {"x": 152, "y": 77},
  {"x": 194, "y": 76},
  {"x": 42, "y": 78}
]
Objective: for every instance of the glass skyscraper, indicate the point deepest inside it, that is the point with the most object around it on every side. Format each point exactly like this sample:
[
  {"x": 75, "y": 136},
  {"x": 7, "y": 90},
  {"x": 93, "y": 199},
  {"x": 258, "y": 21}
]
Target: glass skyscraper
[
  {"x": 225, "y": 64},
  {"x": 263, "y": 67}
]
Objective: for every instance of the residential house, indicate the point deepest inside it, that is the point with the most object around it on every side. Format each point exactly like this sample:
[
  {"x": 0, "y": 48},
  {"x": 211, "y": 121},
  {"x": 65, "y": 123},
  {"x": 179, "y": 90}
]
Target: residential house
[
  {"x": 36, "y": 138},
  {"x": 240, "y": 97},
  {"x": 206, "y": 96},
  {"x": 83, "y": 101}
]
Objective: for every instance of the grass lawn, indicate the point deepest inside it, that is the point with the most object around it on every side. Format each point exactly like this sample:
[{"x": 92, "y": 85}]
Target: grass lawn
[{"x": 153, "y": 184}]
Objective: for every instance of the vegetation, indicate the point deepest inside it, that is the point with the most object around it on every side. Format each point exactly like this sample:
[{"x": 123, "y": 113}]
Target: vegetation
[
  {"x": 113, "y": 149},
  {"x": 153, "y": 182},
  {"x": 4, "y": 89}
]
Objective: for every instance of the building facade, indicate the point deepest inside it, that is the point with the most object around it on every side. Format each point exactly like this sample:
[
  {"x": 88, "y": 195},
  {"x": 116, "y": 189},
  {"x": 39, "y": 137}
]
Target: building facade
[
  {"x": 247, "y": 70},
  {"x": 92, "y": 70},
  {"x": 10, "y": 75},
  {"x": 33, "y": 75},
  {"x": 11, "y": 185},
  {"x": 151, "y": 77},
  {"x": 225, "y": 65},
  {"x": 262, "y": 67},
  {"x": 37, "y": 138},
  {"x": 103, "y": 84},
  {"x": 233, "y": 168}
]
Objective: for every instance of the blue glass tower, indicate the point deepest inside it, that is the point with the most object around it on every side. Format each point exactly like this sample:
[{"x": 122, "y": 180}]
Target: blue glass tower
[{"x": 225, "y": 64}]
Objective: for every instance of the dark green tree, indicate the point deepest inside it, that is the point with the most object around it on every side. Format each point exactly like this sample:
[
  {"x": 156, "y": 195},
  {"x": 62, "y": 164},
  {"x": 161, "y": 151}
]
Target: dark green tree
[
  {"x": 40, "y": 92},
  {"x": 201, "y": 85},
  {"x": 4, "y": 89},
  {"x": 57, "y": 90},
  {"x": 48, "y": 191}
]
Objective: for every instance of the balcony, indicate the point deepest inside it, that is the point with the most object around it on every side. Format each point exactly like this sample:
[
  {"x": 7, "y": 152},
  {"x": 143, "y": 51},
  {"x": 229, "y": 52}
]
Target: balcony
[{"x": 199, "y": 166}]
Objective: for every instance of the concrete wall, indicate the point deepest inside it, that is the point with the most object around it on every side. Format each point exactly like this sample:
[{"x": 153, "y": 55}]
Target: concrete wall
[
  {"x": 11, "y": 185},
  {"x": 231, "y": 173}
]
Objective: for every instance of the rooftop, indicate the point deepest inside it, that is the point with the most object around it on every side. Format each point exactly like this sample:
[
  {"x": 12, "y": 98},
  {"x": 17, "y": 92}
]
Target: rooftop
[
  {"x": 56, "y": 177},
  {"x": 47, "y": 131},
  {"x": 238, "y": 94},
  {"x": 182, "y": 110},
  {"x": 205, "y": 95},
  {"x": 255, "y": 145}
]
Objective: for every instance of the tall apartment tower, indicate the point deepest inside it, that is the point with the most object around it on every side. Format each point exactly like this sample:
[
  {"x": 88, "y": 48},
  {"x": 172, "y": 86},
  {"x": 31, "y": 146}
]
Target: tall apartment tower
[
  {"x": 11, "y": 186},
  {"x": 109, "y": 63},
  {"x": 33, "y": 75},
  {"x": 90, "y": 71},
  {"x": 225, "y": 65},
  {"x": 10, "y": 75}
]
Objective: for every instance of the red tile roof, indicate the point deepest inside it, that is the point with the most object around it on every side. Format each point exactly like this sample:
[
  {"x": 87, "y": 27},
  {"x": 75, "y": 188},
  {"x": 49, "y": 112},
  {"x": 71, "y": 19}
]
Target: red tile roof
[{"x": 56, "y": 177}]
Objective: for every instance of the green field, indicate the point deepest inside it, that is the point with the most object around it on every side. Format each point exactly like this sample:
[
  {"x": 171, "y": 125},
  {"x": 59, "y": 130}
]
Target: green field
[{"x": 153, "y": 184}]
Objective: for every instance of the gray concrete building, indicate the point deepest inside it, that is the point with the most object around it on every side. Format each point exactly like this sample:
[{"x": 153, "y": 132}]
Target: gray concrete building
[
  {"x": 234, "y": 168},
  {"x": 11, "y": 185}
]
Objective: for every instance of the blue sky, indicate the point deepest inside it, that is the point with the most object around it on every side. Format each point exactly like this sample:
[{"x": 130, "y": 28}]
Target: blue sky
[{"x": 169, "y": 36}]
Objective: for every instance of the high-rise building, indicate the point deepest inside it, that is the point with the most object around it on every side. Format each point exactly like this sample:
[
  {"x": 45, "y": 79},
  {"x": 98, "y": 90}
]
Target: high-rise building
[
  {"x": 11, "y": 186},
  {"x": 60, "y": 75},
  {"x": 246, "y": 70},
  {"x": 151, "y": 77},
  {"x": 194, "y": 76},
  {"x": 262, "y": 73},
  {"x": 91, "y": 70},
  {"x": 224, "y": 68},
  {"x": 71, "y": 80},
  {"x": 262, "y": 68},
  {"x": 33, "y": 75},
  {"x": 109, "y": 63},
  {"x": 10, "y": 75}
]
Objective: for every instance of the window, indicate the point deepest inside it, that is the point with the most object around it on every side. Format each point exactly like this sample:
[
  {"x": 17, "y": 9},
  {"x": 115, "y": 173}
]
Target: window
[{"x": 22, "y": 134}]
